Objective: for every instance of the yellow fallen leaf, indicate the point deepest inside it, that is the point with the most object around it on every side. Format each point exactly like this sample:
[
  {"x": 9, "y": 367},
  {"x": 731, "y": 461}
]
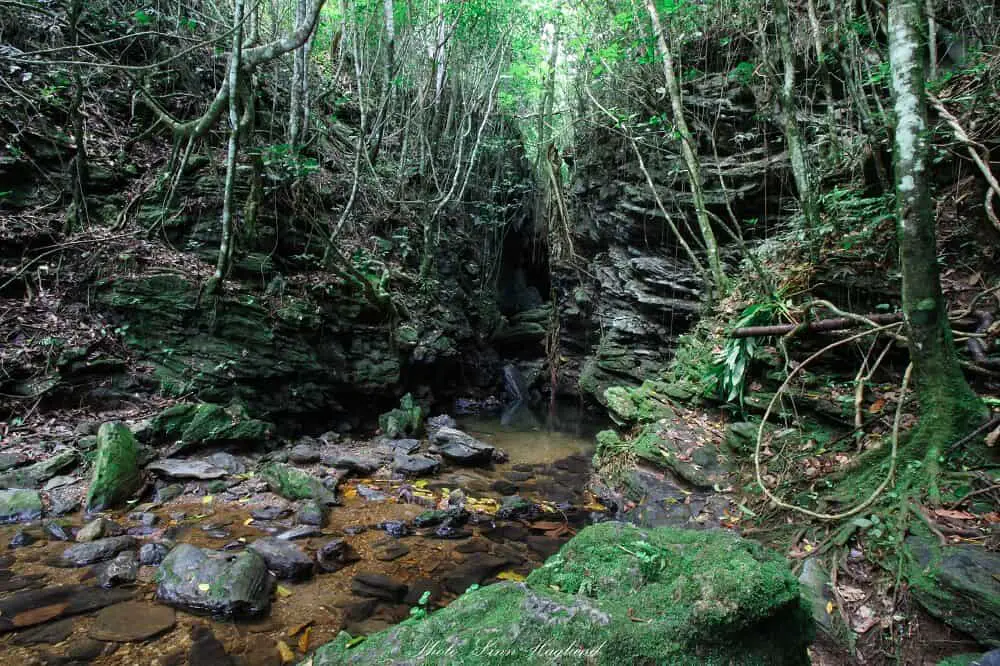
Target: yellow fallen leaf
[
  {"x": 284, "y": 591},
  {"x": 421, "y": 483},
  {"x": 808, "y": 548},
  {"x": 511, "y": 575},
  {"x": 287, "y": 656},
  {"x": 595, "y": 506},
  {"x": 299, "y": 627},
  {"x": 248, "y": 521},
  {"x": 829, "y": 608},
  {"x": 207, "y": 499},
  {"x": 204, "y": 587},
  {"x": 304, "y": 640}
]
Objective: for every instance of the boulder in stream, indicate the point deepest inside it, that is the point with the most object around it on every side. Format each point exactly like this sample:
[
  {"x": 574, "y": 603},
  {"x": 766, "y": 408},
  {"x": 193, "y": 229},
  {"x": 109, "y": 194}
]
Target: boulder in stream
[
  {"x": 462, "y": 448},
  {"x": 199, "y": 580},
  {"x": 116, "y": 470},
  {"x": 283, "y": 557},
  {"x": 82, "y": 554},
  {"x": 294, "y": 484},
  {"x": 417, "y": 465},
  {"x": 19, "y": 505},
  {"x": 33, "y": 476}
]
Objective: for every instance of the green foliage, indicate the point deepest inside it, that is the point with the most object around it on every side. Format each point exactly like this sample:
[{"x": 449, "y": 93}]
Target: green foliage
[{"x": 733, "y": 361}]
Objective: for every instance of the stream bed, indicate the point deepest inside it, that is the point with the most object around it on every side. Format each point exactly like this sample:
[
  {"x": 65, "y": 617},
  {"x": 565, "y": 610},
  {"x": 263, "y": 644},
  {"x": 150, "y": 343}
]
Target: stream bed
[{"x": 128, "y": 625}]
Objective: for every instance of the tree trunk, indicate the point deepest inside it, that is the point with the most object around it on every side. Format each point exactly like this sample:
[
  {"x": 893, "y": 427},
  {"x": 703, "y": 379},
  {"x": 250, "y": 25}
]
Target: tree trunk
[
  {"x": 687, "y": 150},
  {"x": 800, "y": 164},
  {"x": 948, "y": 407},
  {"x": 233, "y": 77}
]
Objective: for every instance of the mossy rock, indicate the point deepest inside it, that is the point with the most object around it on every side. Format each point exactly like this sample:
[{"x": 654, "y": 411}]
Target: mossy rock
[
  {"x": 19, "y": 505},
  {"x": 957, "y": 585},
  {"x": 294, "y": 484},
  {"x": 116, "y": 470},
  {"x": 33, "y": 476},
  {"x": 189, "y": 425},
  {"x": 643, "y": 404},
  {"x": 615, "y": 594},
  {"x": 688, "y": 453},
  {"x": 407, "y": 420}
]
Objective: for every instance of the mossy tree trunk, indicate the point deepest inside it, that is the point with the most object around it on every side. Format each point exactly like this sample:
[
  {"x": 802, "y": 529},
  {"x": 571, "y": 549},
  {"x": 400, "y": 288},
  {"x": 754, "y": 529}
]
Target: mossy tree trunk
[{"x": 948, "y": 406}]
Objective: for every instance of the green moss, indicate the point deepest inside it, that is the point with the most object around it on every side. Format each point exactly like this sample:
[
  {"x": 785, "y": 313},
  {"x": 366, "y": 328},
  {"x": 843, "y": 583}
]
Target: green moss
[
  {"x": 642, "y": 404},
  {"x": 195, "y": 424},
  {"x": 614, "y": 595},
  {"x": 407, "y": 420},
  {"x": 19, "y": 505},
  {"x": 116, "y": 470},
  {"x": 294, "y": 484}
]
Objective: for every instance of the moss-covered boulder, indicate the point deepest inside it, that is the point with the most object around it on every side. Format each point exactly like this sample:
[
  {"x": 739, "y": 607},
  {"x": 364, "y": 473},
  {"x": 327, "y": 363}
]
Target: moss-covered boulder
[
  {"x": 188, "y": 425},
  {"x": 685, "y": 450},
  {"x": 116, "y": 469},
  {"x": 957, "y": 584},
  {"x": 294, "y": 484},
  {"x": 407, "y": 420},
  {"x": 615, "y": 594},
  {"x": 18, "y": 505}
]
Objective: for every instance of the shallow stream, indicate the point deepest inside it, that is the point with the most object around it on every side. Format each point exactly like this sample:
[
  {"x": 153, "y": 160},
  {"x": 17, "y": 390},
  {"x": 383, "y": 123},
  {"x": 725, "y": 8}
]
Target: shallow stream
[{"x": 548, "y": 467}]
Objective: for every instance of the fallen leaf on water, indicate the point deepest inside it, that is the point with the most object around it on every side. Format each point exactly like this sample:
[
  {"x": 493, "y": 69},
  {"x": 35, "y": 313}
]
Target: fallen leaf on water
[
  {"x": 204, "y": 587},
  {"x": 511, "y": 575},
  {"x": 207, "y": 499},
  {"x": 287, "y": 656},
  {"x": 284, "y": 591},
  {"x": 304, "y": 640},
  {"x": 595, "y": 506}
]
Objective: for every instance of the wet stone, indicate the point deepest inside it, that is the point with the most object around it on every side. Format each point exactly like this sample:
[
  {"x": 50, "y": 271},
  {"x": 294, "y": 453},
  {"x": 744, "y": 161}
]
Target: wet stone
[
  {"x": 388, "y": 551},
  {"x": 146, "y": 518},
  {"x": 86, "y": 649},
  {"x": 504, "y": 487},
  {"x": 51, "y": 633},
  {"x": 151, "y": 554},
  {"x": 310, "y": 513},
  {"x": 299, "y": 532},
  {"x": 57, "y": 531},
  {"x": 227, "y": 461},
  {"x": 31, "y": 607},
  {"x": 448, "y": 530},
  {"x": 378, "y": 586},
  {"x": 21, "y": 539},
  {"x": 462, "y": 448},
  {"x": 176, "y": 468},
  {"x": 303, "y": 454},
  {"x": 352, "y": 530},
  {"x": 202, "y": 580},
  {"x": 206, "y": 649},
  {"x": 270, "y": 513},
  {"x": 97, "y": 528},
  {"x": 83, "y": 554},
  {"x": 417, "y": 465},
  {"x": 132, "y": 621},
  {"x": 11, "y": 460},
  {"x": 19, "y": 505},
  {"x": 394, "y": 528},
  {"x": 169, "y": 492},
  {"x": 335, "y": 555},
  {"x": 284, "y": 558},
  {"x": 122, "y": 570}
]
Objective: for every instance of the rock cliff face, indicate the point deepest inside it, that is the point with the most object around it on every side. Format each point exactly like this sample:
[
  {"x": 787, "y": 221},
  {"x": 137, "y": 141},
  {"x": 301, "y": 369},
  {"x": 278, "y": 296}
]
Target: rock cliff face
[{"x": 636, "y": 290}]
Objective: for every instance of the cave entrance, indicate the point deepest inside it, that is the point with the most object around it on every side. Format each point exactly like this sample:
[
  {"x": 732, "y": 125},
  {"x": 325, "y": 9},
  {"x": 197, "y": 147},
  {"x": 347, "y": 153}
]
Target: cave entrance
[{"x": 524, "y": 282}]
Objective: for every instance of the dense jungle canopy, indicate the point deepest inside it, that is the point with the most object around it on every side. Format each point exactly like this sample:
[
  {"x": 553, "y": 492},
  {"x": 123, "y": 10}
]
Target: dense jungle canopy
[{"x": 499, "y": 332}]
